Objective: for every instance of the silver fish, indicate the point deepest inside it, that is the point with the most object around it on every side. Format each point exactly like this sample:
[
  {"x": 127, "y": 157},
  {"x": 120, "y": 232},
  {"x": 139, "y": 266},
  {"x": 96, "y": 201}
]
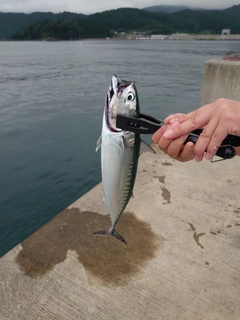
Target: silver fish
[{"x": 120, "y": 151}]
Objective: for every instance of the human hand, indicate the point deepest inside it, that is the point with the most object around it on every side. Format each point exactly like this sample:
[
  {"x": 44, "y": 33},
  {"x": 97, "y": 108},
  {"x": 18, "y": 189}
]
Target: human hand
[
  {"x": 174, "y": 148},
  {"x": 219, "y": 119}
]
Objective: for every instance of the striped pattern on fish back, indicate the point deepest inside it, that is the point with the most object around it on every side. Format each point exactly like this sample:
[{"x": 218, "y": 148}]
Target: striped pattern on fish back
[{"x": 127, "y": 192}]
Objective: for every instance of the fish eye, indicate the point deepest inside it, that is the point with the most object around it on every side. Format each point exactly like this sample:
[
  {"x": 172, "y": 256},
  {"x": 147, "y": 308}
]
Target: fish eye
[{"x": 130, "y": 96}]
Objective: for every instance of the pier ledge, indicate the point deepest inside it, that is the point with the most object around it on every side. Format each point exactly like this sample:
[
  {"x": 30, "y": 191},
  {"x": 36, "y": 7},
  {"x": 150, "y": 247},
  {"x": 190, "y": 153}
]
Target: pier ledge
[
  {"x": 183, "y": 253},
  {"x": 181, "y": 261}
]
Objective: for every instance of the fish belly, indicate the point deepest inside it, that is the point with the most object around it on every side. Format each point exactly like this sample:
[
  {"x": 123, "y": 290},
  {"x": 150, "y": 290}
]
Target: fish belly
[{"x": 116, "y": 162}]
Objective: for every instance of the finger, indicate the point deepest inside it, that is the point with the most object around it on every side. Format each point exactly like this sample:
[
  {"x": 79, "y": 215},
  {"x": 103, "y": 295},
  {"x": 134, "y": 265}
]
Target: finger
[
  {"x": 176, "y": 147},
  {"x": 208, "y": 108},
  {"x": 173, "y": 117},
  {"x": 191, "y": 115},
  {"x": 205, "y": 137},
  {"x": 217, "y": 137},
  {"x": 158, "y": 134},
  {"x": 187, "y": 152},
  {"x": 199, "y": 158},
  {"x": 164, "y": 143},
  {"x": 196, "y": 120}
]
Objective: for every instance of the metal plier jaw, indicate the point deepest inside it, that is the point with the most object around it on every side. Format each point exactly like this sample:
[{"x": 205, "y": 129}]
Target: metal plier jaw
[{"x": 147, "y": 124}]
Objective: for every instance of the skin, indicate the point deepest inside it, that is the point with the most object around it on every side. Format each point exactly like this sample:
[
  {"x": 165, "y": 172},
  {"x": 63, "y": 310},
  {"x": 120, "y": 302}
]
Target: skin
[{"x": 218, "y": 119}]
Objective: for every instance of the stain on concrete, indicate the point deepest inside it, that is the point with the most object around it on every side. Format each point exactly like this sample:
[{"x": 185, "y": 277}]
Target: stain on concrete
[
  {"x": 196, "y": 236},
  {"x": 213, "y": 233},
  {"x": 160, "y": 178},
  {"x": 166, "y": 195},
  {"x": 207, "y": 263},
  {"x": 229, "y": 226},
  {"x": 167, "y": 164},
  {"x": 102, "y": 257},
  {"x": 237, "y": 211}
]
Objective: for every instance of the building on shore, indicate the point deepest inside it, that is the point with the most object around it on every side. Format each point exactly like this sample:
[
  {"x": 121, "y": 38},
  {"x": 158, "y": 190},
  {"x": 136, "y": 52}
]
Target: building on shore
[{"x": 225, "y": 33}]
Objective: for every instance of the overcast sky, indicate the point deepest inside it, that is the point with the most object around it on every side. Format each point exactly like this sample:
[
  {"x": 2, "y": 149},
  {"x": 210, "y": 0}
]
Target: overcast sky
[{"x": 92, "y": 6}]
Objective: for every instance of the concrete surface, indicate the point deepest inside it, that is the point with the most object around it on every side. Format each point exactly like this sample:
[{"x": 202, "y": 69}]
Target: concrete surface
[
  {"x": 221, "y": 79},
  {"x": 182, "y": 260}
]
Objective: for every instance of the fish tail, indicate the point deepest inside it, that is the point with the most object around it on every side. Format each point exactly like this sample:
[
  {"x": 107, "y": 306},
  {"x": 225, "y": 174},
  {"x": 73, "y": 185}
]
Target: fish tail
[{"x": 112, "y": 233}]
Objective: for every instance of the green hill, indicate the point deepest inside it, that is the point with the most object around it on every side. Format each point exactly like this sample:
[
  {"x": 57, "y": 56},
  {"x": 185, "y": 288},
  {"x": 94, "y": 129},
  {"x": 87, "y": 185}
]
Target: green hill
[
  {"x": 17, "y": 22},
  {"x": 211, "y": 21},
  {"x": 68, "y": 25},
  {"x": 234, "y": 11}
]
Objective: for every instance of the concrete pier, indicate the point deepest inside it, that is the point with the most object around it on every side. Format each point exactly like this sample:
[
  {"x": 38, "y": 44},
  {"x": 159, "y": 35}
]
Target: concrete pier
[
  {"x": 221, "y": 79},
  {"x": 181, "y": 262}
]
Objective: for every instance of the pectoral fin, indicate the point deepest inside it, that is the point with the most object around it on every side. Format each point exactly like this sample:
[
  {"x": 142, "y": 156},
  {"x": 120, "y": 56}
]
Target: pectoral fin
[
  {"x": 144, "y": 147},
  {"x": 118, "y": 142},
  {"x": 99, "y": 143}
]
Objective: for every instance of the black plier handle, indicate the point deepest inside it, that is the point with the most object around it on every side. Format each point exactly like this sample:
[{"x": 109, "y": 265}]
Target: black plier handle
[{"x": 147, "y": 124}]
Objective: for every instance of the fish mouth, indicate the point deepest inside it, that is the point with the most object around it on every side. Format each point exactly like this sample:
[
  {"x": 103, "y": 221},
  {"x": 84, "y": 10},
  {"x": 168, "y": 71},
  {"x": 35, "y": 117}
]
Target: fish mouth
[
  {"x": 107, "y": 112},
  {"x": 116, "y": 86}
]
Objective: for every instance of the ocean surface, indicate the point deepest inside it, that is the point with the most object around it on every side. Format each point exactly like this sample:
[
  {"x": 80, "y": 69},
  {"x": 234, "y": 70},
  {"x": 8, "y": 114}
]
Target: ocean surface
[{"x": 52, "y": 96}]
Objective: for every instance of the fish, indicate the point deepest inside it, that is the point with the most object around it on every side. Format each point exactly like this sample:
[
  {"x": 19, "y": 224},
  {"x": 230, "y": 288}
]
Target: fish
[{"x": 120, "y": 151}]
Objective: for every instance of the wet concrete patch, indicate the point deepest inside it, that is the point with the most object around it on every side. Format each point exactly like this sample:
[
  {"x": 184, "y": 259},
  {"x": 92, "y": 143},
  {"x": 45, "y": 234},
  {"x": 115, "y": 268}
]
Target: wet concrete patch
[
  {"x": 166, "y": 196},
  {"x": 237, "y": 211},
  {"x": 214, "y": 233},
  {"x": 160, "y": 178},
  {"x": 196, "y": 236},
  {"x": 102, "y": 257},
  {"x": 167, "y": 164}
]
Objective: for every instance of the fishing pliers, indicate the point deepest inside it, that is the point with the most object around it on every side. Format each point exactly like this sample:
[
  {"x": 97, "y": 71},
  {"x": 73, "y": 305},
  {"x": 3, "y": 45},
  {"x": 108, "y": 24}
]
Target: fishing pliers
[{"x": 147, "y": 124}]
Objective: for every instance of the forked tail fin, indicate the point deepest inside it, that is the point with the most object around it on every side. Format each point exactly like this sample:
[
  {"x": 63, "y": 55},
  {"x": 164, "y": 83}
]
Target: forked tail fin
[{"x": 112, "y": 233}]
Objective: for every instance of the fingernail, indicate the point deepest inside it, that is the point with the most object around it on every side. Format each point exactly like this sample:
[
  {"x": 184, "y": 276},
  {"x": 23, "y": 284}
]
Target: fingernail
[
  {"x": 173, "y": 124},
  {"x": 154, "y": 139},
  {"x": 208, "y": 156},
  {"x": 190, "y": 146},
  {"x": 168, "y": 134},
  {"x": 174, "y": 120},
  {"x": 198, "y": 159}
]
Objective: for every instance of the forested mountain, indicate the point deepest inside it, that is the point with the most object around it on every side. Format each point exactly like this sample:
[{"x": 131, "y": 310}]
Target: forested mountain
[
  {"x": 68, "y": 25},
  {"x": 165, "y": 9},
  {"x": 17, "y": 22},
  {"x": 235, "y": 11},
  {"x": 210, "y": 22}
]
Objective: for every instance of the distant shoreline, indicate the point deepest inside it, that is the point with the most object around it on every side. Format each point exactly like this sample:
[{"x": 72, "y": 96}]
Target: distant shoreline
[
  {"x": 133, "y": 37},
  {"x": 185, "y": 37}
]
